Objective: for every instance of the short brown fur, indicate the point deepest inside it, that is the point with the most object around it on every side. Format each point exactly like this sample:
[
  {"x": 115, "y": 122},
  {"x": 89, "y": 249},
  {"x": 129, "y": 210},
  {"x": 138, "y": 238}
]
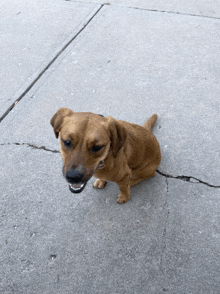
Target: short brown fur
[{"x": 130, "y": 152}]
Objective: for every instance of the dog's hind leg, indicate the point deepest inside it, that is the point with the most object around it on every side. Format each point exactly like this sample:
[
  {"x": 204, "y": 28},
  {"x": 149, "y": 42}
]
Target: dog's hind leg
[{"x": 135, "y": 180}]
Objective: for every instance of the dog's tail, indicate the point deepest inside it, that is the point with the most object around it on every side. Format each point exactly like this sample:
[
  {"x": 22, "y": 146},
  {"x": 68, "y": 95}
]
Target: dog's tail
[{"x": 150, "y": 122}]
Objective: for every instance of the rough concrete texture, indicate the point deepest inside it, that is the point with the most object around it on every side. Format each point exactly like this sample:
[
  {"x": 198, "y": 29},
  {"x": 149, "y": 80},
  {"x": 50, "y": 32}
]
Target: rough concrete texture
[
  {"x": 130, "y": 73},
  {"x": 128, "y": 63},
  {"x": 32, "y": 34}
]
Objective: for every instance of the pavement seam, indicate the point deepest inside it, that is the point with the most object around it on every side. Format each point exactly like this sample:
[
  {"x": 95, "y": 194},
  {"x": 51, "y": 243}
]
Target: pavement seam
[
  {"x": 190, "y": 179},
  {"x": 174, "y": 12},
  {"x": 155, "y": 10},
  {"x": 49, "y": 64}
]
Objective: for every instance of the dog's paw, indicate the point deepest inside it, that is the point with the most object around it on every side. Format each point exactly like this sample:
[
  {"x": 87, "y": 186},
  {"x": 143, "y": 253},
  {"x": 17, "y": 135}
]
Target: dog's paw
[
  {"x": 100, "y": 184},
  {"x": 122, "y": 198}
]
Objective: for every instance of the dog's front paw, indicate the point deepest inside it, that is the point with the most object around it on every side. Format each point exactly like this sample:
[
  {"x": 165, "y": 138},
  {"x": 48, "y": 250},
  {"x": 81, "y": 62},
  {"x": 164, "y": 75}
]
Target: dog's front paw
[
  {"x": 122, "y": 198},
  {"x": 100, "y": 184}
]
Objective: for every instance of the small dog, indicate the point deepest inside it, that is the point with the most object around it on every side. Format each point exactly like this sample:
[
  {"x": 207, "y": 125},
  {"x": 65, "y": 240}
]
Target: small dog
[{"x": 106, "y": 148}]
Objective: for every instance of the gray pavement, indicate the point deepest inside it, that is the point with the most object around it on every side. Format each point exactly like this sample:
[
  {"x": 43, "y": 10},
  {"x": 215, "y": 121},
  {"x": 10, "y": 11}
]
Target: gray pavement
[
  {"x": 32, "y": 34},
  {"x": 129, "y": 63}
]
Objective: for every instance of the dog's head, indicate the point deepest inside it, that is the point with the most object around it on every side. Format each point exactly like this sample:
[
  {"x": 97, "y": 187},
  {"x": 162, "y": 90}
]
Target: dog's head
[{"x": 86, "y": 140}]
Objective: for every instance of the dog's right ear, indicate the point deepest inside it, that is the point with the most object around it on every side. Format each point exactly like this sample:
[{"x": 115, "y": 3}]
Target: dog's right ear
[
  {"x": 57, "y": 120},
  {"x": 118, "y": 135}
]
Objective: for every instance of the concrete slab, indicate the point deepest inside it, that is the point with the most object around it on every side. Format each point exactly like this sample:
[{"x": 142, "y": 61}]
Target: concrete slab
[
  {"x": 191, "y": 256},
  {"x": 55, "y": 242},
  {"x": 165, "y": 239},
  {"x": 202, "y": 8},
  {"x": 131, "y": 63},
  {"x": 127, "y": 63},
  {"x": 32, "y": 34}
]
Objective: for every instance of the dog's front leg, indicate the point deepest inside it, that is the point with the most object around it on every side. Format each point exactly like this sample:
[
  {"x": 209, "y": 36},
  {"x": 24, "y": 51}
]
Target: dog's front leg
[
  {"x": 99, "y": 184},
  {"x": 124, "y": 186}
]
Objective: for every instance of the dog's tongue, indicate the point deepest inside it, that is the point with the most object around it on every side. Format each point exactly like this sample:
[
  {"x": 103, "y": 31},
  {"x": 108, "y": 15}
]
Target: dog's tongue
[{"x": 75, "y": 186}]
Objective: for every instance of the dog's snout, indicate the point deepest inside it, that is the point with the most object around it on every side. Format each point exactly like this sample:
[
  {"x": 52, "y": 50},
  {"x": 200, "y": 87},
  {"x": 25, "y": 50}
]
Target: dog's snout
[{"x": 73, "y": 176}]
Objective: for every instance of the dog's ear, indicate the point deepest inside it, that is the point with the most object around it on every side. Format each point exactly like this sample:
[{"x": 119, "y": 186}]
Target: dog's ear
[
  {"x": 57, "y": 120},
  {"x": 118, "y": 135}
]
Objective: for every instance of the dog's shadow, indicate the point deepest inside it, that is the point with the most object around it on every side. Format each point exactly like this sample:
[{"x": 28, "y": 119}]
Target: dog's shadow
[{"x": 148, "y": 193}]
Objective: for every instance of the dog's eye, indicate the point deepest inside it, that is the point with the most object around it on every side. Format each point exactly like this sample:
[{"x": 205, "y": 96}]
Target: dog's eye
[
  {"x": 67, "y": 143},
  {"x": 96, "y": 148}
]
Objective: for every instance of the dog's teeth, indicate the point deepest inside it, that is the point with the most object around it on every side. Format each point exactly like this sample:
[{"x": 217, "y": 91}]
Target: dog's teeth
[{"x": 76, "y": 188}]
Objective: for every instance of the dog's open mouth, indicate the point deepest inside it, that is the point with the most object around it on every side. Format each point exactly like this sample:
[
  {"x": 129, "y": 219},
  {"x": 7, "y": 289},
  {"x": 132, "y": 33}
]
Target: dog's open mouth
[{"x": 76, "y": 188}]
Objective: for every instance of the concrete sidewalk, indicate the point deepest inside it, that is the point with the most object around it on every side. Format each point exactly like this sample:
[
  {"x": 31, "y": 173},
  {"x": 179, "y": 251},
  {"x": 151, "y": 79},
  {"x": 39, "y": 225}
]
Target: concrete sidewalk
[{"x": 127, "y": 59}]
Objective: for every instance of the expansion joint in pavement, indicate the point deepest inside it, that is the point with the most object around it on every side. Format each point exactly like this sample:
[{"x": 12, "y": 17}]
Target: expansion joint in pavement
[
  {"x": 50, "y": 63},
  {"x": 174, "y": 12}
]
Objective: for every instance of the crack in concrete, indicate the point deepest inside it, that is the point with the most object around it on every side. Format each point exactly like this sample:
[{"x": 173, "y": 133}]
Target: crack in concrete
[
  {"x": 164, "y": 244},
  {"x": 31, "y": 146},
  {"x": 167, "y": 185},
  {"x": 49, "y": 64},
  {"x": 74, "y": 37},
  {"x": 187, "y": 179},
  {"x": 190, "y": 179}
]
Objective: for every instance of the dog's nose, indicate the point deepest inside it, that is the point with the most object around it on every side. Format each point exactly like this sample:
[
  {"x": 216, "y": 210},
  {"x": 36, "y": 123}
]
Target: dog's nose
[{"x": 73, "y": 176}]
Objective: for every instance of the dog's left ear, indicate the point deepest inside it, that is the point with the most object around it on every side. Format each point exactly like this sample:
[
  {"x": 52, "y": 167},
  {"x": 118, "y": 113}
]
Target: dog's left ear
[
  {"x": 57, "y": 120},
  {"x": 118, "y": 135}
]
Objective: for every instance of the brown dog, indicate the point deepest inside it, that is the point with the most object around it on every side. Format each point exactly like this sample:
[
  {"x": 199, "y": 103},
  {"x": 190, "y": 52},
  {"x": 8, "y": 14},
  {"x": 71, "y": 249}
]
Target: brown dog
[{"x": 108, "y": 149}]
